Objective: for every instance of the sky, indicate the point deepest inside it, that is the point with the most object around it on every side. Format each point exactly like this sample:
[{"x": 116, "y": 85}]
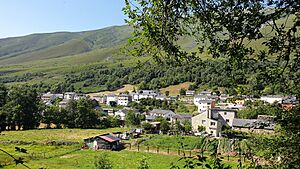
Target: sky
[{"x": 23, "y": 17}]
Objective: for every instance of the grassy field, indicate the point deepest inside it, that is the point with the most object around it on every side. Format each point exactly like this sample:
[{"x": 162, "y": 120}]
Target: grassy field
[
  {"x": 40, "y": 154},
  {"x": 175, "y": 89},
  {"x": 125, "y": 88},
  {"x": 71, "y": 157},
  {"x": 44, "y": 135},
  {"x": 190, "y": 142},
  {"x": 48, "y": 156}
]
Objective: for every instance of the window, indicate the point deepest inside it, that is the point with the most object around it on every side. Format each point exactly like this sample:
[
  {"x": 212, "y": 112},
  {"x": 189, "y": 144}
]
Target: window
[
  {"x": 211, "y": 132},
  {"x": 227, "y": 120},
  {"x": 225, "y": 113},
  {"x": 212, "y": 123},
  {"x": 203, "y": 121}
]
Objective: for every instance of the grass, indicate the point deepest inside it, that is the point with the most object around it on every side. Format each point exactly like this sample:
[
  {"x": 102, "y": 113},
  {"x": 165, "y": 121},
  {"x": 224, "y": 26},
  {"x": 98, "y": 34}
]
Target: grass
[
  {"x": 44, "y": 135},
  {"x": 174, "y": 142},
  {"x": 175, "y": 89},
  {"x": 72, "y": 157},
  {"x": 69, "y": 157},
  {"x": 128, "y": 88}
]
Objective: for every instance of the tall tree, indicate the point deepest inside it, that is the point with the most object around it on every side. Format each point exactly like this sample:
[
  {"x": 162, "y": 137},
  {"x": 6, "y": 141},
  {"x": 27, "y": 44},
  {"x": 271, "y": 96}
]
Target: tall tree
[
  {"x": 222, "y": 29},
  {"x": 24, "y": 107}
]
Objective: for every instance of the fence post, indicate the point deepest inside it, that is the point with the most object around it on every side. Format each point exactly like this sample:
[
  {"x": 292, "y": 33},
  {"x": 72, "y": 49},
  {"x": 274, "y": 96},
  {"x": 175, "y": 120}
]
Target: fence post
[
  {"x": 228, "y": 157},
  {"x": 138, "y": 146},
  {"x": 148, "y": 148},
  {"x": 190, "y": 153},
  {"x": 157, "y": 150},
  {"x": 179, "y": 152},
  {"x": 168, "y": 150},
  {"x": 130, "y": 146}
]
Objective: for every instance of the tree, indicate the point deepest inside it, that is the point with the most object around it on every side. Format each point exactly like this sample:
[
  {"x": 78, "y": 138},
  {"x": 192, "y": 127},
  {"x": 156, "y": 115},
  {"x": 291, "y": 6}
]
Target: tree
[
  {"x": 102, "y": 162},
  {"x": 3, "y": 94},
  {"x": 167, "y": 93},
  {"x": 187, "y": 126},
  {"x": 147, "y": 126},
  {"x": 221, "y": 29},
  {"x": 23, "y": 108},
  {"x": 182, "y": 92},
  {"x": 132, "y": 119}
]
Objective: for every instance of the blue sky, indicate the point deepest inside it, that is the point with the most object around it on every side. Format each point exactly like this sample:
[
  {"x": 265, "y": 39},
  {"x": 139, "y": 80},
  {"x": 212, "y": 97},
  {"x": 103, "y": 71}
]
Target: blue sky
[{"x": 22, "y": 17}]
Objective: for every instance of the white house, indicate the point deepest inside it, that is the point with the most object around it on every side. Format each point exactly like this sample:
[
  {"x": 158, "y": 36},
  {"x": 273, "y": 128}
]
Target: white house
[
  {"x": 272, "y": 98},
  {"x": 190, "y": 92},
  {"x": 79, "y": 96},
  {"x": 197, "y": 98},
  {"x": 49, "y": 97},
  {"x": 124, "y": 99},
  {"x": 111, "y": 98},
  {"x": 143, "y": 94},
  {"x": 100, "y": 98},
  {"x": 167, "y": 114},
  {"x": 122, "y": 113},
  {"x": 69, "y": 95},
  {"x": 204, "y": 105},
  {"x": 213, "y": 120}
]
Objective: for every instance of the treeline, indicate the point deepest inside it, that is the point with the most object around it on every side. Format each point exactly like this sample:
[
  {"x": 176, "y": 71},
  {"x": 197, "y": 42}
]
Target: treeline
[
  {"x": 22, "y": 109},
  {"x": 253, "y": 78}
]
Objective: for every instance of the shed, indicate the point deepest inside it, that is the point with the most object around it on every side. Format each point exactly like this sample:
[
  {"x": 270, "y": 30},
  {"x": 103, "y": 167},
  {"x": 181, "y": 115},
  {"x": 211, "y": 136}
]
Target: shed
[{"x": 103, "y": 141}]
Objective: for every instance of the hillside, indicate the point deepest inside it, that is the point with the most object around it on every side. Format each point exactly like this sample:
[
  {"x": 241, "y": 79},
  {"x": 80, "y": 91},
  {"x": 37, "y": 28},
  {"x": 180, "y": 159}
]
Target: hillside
[{"x": 37, "y": 47}]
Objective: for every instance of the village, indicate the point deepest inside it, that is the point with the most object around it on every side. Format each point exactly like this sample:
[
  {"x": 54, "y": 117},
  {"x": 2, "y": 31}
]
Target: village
[{"x": 212, "y": 113}]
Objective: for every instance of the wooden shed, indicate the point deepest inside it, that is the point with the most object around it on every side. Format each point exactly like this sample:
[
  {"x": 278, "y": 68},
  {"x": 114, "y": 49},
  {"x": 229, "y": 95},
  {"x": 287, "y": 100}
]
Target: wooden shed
[{"x": 103, "y": 141}]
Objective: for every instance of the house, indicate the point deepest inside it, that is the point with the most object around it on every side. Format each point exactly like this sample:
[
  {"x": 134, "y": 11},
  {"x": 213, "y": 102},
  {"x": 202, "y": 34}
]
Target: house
[
  {"x": 263, "y": 124},
  {"x": 79, "y": 96},
  {"x": 204, "y": 105},
  {"x": 213, "y": 120},
  {"x": 272, "y": 98},
  {"x": 182, "y": 118},
  {"x": 49, "y": 97},
  {"x": 197, "y": 98},
  {"x": 167, "y": 114},
  {"x": 103, "y": 141},
  {"x": 69, "y": 95},
  {"x": 289, "y": 102},
  {"x": 210, "y": 121},
  {"x": 109, "y": 111},
  {"x": 206, "y": 93},
  {"x": 161, "y": 97},
  {"x": 63, "y": 103},
  {"x": 190, "y": 93},
  {"x": 111, "y": 98},
  {"x": 124, "y": 99},
  {"x": 143, "y": 94},
  {"x": 100, "y": 98},
  {"x": 227, "y": 115},
  {"x": 122, "y": 113}
]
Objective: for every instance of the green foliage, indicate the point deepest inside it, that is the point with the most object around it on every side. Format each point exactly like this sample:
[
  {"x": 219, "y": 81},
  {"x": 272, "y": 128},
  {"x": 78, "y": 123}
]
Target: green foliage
[
  {"x": 22, "y": 108},
  {"x": 182, "y": 92},
  {"x": 80, "y": 114},
  {"x": 102, "y": 162},
  {"x": 201, "y": 128},
  {"x": 132, "y": 118},
  {"x": 144, "y": 164},
  {"x": 259, "y": 108}
]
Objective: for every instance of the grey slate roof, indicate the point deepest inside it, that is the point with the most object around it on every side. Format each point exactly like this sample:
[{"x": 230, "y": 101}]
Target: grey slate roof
[
  {"x": 244, "y": 122},
  {"x": 159, "y": 111}
]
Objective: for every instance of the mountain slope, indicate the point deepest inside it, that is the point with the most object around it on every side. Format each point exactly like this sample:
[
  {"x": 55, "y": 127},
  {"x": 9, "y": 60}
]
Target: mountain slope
[{"x": 54, "y": 45}]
